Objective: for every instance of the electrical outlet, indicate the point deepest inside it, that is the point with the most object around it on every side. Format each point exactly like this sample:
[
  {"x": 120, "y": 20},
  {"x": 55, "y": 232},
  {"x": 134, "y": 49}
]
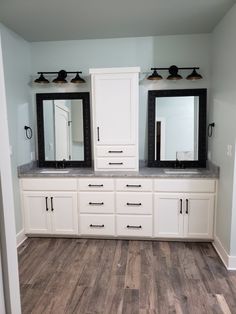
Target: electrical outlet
[
  {"x": 32, "y": 155},
  {"x": 229, "y": 150}
]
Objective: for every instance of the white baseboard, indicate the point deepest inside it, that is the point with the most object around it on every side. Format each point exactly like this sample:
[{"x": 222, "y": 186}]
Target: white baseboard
[
  {"x": 20, "y": 237},
  {"x": 228, "y": 260}
]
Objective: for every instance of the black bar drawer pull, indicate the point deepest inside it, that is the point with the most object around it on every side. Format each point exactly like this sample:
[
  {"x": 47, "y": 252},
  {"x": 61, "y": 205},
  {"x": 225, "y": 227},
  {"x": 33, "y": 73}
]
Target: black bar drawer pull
[
  {"x": 187, "y": 209},
  {"x": 133, "y": 185},
  {"x": 91, "y": 203},
  {"x": 181, "y": 206},
  {"x": 52, "y": 209},
  {"x": 134, "y": 227},
  {"x": 98, "y": 134},
  {"x": 133, "y": 204},
  {"x": 46, "y": 200},
  {"x": 95, "y": 185},
  {"x": 115, "y": 151},
  {"x": 115, "y": 163},
  {"x": 96, "y": 226}
]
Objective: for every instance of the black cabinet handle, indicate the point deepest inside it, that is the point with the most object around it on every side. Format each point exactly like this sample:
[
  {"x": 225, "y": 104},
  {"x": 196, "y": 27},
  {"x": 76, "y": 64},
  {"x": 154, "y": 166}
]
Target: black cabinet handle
[
  {"x": 181, "y": 206},
  {"x": 91, "y": 203},
  {"x": 52, "y": 209},
  {"x": 96, "y": 226},
  {"x": 133, "y": 204},
  {"x": 134, "y": 227},
  {"x": 133, "y": 185},
  {"x": 115, "y": 163},
  {"x": 46, "y": 200},
  {"x": 187, "y": 209},
  {"x": 95, "y": 185},
  {"x": 98, "y": 134},
  {"x": 115, "y": 151}
]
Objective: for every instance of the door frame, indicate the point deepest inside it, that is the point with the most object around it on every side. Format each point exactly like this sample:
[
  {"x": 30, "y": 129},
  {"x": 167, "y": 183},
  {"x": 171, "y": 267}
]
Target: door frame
[{"x": 7, "y": 215}]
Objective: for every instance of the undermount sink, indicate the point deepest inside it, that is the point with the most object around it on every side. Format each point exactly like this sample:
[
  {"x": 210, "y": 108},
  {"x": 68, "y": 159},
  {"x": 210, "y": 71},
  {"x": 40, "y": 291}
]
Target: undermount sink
[
  {"x": 181, "y": 171},
  {"x": 54, "y": 171}
]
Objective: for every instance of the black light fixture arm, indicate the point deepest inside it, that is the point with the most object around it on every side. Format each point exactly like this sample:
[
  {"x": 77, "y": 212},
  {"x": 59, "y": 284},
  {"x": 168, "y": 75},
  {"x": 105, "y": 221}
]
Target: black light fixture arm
[
  {"x": 68, "y": 72},
  {"x": 182, "y": 68}
]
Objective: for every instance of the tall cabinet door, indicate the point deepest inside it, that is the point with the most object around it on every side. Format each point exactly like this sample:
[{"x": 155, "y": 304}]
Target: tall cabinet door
[
  {"x": 115, "y": 99},
  {"x": 199, "y": 215},
  {"x": 168, "y": 215},
  {"x": 37, "y": 213},
  {"x": 63, "y": 207}
]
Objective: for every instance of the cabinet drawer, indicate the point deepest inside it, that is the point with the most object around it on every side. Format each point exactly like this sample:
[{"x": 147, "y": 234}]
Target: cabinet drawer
[
  {"x": 136, "y": 226},
  {"x": 97, "y": 225},
  {"x": 116, "y": 163},
  {"x": 46, "y": 184},
  {"x": 96, "y": 184},
  {"x": 96, "y": 202},
  {"x": 116, "y": 151},
  {"x": 184, "y": 185},
  {"x": 134, "y": 203},
  {"x": 134, "y": 185}
]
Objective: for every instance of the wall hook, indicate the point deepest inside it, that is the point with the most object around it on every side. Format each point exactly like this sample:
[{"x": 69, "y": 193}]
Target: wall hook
[
  {"x": 210, "y": 129},
  {"x": 28, "y": 132}
]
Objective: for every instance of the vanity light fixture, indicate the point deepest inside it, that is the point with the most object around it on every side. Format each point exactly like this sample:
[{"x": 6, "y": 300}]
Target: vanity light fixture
[
  {"x": 174, "y": 75},
  {"x": 61, "y": 77},
  {"x": 154, "y": 76}
]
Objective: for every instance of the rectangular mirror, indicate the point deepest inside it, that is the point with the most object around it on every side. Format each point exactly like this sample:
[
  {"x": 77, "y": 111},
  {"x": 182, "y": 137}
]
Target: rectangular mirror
[
  {"x": 64, "y": 129},
  {"x": 177, "y": 128}
]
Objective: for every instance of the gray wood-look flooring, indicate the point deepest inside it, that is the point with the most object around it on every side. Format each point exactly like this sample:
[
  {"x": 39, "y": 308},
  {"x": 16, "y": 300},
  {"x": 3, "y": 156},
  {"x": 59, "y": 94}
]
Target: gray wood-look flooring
[{"x": 91, "y": 276}]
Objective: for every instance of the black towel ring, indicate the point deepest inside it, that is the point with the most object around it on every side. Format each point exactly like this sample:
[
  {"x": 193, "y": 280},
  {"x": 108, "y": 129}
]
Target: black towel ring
[
  {"x": 210, "y": 129},
  {"x": 28, "y": 132}
]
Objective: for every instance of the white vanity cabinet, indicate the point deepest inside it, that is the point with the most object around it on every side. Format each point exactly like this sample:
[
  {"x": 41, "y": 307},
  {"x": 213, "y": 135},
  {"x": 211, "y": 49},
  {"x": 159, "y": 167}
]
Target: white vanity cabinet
[
  {"x": 184, "y": 215},
  {"x": 50, "y": 206},
  {"x": 134, "y": 207},
  {"x": 115, "y": 93},
  {"x": 96, "y": 199}
]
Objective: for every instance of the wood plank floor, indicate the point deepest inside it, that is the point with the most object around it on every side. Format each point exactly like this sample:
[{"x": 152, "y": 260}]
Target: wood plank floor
[{"x": 90, "y": 276}]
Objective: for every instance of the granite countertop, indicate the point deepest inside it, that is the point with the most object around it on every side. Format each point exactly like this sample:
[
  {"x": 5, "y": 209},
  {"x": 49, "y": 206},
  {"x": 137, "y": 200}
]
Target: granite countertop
[{"x": 32, "y": 171}]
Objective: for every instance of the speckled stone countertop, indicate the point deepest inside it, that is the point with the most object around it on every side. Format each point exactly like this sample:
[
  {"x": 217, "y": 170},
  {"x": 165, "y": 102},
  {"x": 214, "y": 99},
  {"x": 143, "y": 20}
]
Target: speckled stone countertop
[{"x": 31, "y": 171}]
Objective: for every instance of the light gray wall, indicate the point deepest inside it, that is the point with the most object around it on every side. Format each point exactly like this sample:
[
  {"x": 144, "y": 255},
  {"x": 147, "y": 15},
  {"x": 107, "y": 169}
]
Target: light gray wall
[
  {"x": 182, "y": 50},
  {"x": 16, "y": 58},
  {"x": 223, "y": 113}
]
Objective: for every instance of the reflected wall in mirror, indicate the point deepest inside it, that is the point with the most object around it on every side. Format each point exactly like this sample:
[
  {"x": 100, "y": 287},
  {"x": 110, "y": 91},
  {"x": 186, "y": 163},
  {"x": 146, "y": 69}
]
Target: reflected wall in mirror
[
  {"x": 64, "y": 129},
  {"x": 177, "y": 128}
]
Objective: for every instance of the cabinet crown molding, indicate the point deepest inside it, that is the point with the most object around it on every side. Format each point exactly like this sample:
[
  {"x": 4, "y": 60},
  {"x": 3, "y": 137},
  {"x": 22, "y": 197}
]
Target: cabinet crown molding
[{"x": 114, "y": 70}]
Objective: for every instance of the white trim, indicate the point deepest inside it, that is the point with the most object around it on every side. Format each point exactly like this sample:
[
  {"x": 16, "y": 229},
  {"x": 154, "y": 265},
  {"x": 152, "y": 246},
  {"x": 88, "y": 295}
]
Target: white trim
[
  {"x": 114, "y": 70},
  {"x": 228, "y": 260},
  {"x": 20, "y": 237}
]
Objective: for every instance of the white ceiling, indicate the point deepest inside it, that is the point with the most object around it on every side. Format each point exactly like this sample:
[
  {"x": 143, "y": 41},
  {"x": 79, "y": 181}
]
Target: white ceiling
[{"x": 44, "y": 20}]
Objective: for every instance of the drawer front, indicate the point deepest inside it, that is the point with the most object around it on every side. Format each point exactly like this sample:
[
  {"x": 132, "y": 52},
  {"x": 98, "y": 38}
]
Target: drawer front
[
  {"x": 116, "y": 151},
  {"x": 184, "y": 185},
  {"x": 116, "y": 163},
  {"x": 134, "y": 185},
  {"x": 46, "y": 184},
  {"x": 96, "y": 202},
  {"x": 97, "y": 225},
  {"x": 134, "y": 226},
  {"x": 134, "y": 203},
  {"x": 96, "y": 184}
]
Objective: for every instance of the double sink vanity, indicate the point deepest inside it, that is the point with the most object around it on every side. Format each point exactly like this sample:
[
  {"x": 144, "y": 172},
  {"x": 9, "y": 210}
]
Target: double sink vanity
[{"x": 119, "y": 196}]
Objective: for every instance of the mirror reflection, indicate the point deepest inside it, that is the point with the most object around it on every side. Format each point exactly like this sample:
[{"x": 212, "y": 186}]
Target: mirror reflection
[
  {"x": 63, "y": 129},
  {"x": 176, "y": 128}
]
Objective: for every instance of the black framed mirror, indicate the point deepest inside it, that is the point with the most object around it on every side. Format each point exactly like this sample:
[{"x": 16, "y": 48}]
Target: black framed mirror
[
  {"x": 177, "y": 128},
  {"x": 64, "y": 135}
]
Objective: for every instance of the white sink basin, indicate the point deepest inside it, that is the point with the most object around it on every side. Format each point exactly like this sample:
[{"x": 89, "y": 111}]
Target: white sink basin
[
  {"x": 181, "y": 171},
  {"x": 54, "y": 171}
]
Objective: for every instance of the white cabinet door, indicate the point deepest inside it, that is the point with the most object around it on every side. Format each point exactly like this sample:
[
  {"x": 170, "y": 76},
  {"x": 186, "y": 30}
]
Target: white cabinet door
[
  {"x": 115, "y": 97},
  {"x": 199, "y": 215},
  {"x": 63, "y": 207},
  {"x": 37, "y": 213},
  {"x": 168, "y": 215}
]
